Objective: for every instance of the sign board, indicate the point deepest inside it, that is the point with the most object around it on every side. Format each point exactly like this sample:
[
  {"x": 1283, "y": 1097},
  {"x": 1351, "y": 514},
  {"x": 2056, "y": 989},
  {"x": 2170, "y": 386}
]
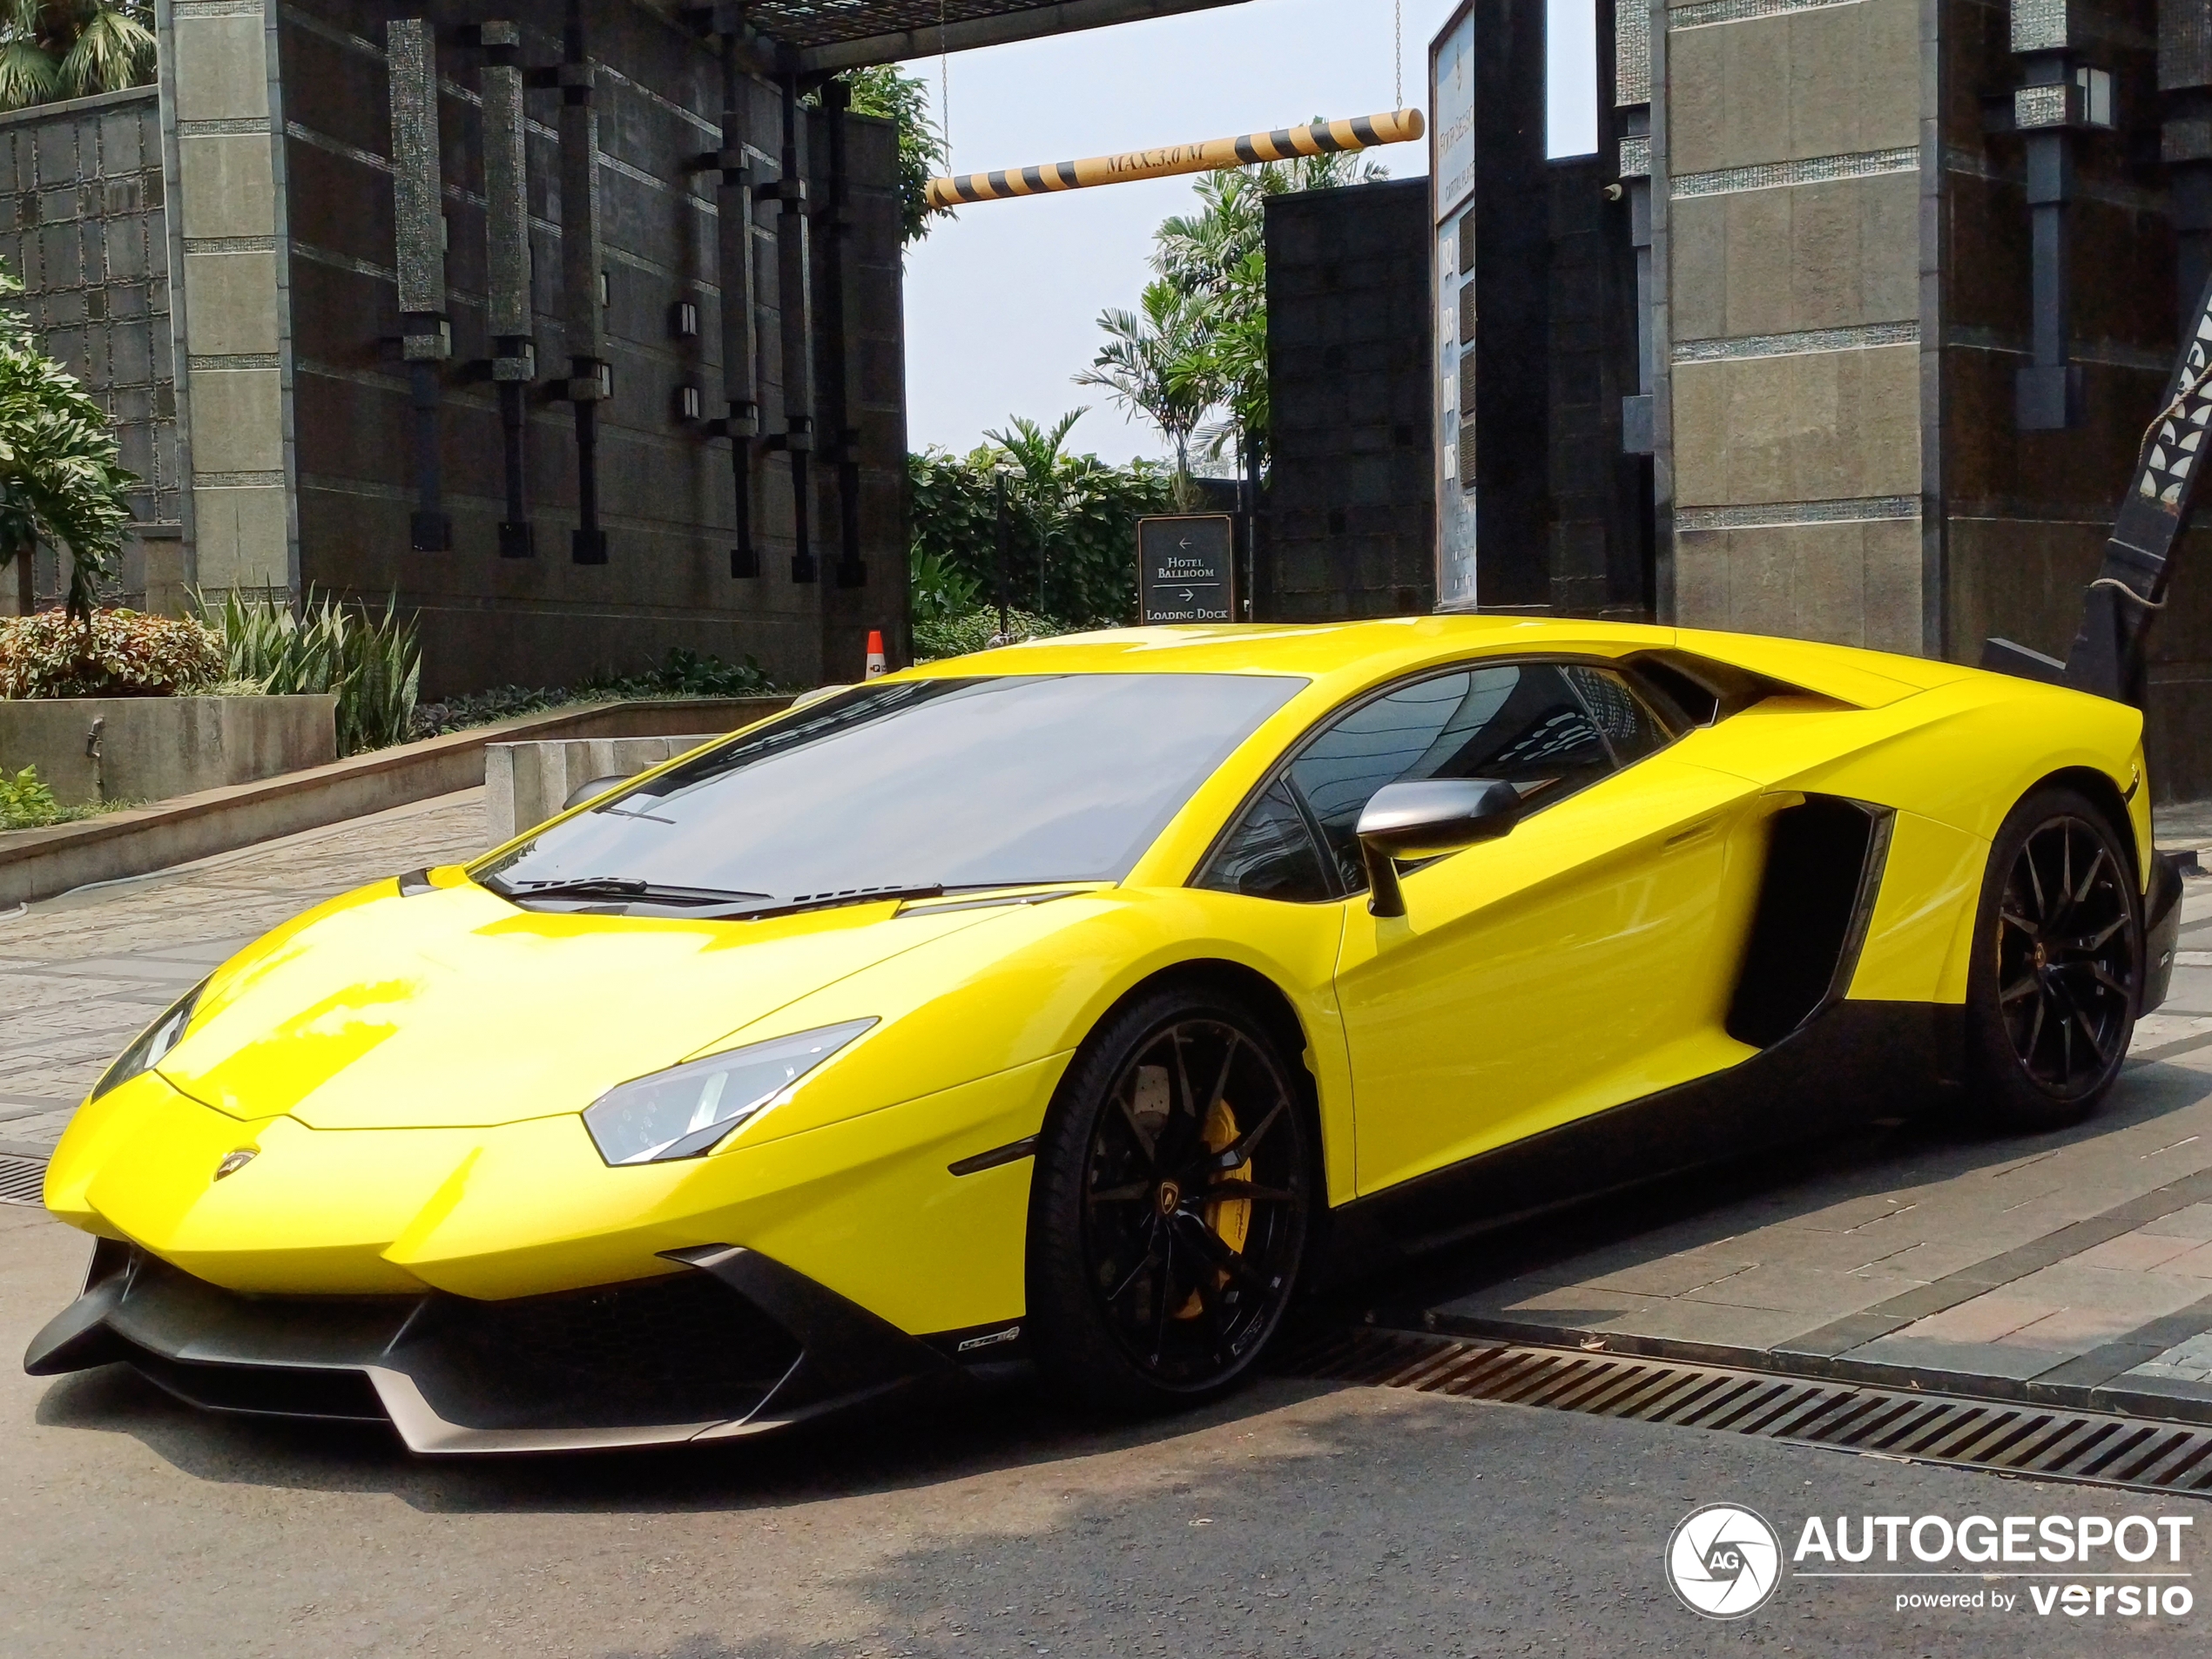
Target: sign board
[
  {"x": 1186, "y": 567},
  {"x": 1450, "y": 128}
]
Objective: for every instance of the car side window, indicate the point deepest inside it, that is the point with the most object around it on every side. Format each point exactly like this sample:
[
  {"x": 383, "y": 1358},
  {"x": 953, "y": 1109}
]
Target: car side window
[
  {"x": 1626, "y": 720},
  {"x": 1270, "y": 853},
  {"x": 1550, "y": 729}
]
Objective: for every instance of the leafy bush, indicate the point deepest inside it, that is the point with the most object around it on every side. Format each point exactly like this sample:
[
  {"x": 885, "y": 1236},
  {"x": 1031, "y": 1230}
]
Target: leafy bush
[
  {"x": 26, "y": 803},
  {"x": 371, "y": 663},
  {"x": 112, "y": 653},
  {"x": 60, "y": 480},
  {"x": 1071, "y": 525},
  {"x": 978, "y": 630},
  {"x": 682, "y": 674}
]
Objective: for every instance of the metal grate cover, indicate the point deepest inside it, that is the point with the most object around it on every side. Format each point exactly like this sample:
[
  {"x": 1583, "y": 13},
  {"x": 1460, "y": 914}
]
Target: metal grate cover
[
  {"x": 21, "y": 1180},
  {"x": 2045, "y": 1442}
]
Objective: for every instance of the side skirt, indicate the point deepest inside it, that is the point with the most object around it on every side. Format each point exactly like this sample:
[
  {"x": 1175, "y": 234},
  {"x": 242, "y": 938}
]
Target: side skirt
[{"x": 1851, "y": 1061}]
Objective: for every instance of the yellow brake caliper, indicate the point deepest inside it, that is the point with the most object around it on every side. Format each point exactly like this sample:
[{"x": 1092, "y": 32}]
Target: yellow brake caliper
[{"x": 1231, "y": 1219}]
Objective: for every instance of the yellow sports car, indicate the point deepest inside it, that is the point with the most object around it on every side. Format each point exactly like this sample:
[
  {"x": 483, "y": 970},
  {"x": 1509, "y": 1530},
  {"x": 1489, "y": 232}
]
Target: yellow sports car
[{"x": 1079, "y": 1001}]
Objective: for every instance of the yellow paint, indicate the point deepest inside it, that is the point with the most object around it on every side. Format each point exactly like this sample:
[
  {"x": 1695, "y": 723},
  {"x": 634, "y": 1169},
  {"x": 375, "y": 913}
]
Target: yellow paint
[{"x": 410, "y": 1071}]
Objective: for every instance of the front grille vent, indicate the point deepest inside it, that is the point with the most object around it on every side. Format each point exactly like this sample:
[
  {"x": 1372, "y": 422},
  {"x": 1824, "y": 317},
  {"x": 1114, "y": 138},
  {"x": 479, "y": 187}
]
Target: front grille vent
[{"x": 2046, "y": 1443}]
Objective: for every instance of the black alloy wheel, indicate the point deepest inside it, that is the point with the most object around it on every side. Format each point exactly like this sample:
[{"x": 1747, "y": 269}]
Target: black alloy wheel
[
  {"x": 2052, "y": 1000},
  {"x": 1170, "y": 1211}
]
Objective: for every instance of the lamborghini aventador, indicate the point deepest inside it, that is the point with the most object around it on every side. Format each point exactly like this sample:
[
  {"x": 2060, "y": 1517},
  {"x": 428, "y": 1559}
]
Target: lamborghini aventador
[{"x": 1082, "y": 1002}]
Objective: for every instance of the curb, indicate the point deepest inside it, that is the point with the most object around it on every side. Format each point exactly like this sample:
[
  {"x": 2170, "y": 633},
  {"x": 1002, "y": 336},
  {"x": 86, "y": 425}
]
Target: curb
[{"x": 45, "y": 863}]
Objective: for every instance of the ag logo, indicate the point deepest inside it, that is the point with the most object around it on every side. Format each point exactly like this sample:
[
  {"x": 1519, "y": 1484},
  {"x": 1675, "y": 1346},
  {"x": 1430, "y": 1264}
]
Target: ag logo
[{"x": 1723, "y": 1561}]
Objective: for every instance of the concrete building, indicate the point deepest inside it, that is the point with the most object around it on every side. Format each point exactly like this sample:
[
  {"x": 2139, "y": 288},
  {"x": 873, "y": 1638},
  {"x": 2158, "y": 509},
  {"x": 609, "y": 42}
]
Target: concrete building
[
  {"x": 1887, "y": 289},
  {"x": 430, "y": 297}
]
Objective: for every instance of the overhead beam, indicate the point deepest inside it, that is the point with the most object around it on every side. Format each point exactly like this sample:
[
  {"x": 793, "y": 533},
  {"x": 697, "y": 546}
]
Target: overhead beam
[{"x": 1030, "y": 22}]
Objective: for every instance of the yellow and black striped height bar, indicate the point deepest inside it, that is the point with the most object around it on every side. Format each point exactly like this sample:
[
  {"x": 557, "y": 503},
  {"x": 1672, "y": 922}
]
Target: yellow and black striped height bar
[{"x": 1360, "y": 132}]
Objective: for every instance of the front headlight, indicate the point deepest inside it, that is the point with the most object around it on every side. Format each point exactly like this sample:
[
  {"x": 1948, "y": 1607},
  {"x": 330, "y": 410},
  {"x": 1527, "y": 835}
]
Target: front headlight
[
  {"x": 154, "y": 1044},
  {"x": 687, "y": 1109}
]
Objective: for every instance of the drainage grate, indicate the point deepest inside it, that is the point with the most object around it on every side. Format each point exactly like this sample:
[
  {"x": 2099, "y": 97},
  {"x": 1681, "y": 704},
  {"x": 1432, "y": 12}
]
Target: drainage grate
[
  {"x": 2048, "y": 1444},
  {"x": 21, "y": 1180}
]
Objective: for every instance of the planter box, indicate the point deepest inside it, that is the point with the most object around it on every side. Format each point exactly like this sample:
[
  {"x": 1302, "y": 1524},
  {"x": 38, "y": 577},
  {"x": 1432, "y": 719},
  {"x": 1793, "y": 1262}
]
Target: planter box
[
  {"x": 94, "y": 749},
  {"x": 527, "y": 783}
]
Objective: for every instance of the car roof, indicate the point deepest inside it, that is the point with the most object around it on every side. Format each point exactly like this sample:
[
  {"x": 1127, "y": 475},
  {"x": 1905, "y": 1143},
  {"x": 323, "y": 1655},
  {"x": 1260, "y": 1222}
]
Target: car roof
[{"x": 1345, "y": 655}]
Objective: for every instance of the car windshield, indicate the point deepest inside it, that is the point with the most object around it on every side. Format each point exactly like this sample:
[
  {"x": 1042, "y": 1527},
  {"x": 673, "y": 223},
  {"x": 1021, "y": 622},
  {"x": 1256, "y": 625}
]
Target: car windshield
[{"x": 1002, "y": 781}]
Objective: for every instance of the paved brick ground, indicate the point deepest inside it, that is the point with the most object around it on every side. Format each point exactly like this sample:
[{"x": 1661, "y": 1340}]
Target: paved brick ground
[{"x": 80, "y": 976}]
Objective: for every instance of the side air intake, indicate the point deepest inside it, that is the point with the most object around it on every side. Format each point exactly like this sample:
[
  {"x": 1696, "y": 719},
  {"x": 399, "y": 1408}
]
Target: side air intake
[{"x": 1823, "y": 867}]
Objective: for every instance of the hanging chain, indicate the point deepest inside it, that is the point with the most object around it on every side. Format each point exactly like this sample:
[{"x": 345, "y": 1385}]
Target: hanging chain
[
  {"x": 1397, "y": 51},
  {"x": 944, "y": 88}
]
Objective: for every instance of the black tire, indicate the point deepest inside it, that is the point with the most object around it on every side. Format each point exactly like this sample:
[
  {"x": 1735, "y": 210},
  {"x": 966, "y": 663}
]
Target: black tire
[
  {"x": 1158, "y": 1267},
  {"x": 2057, "y": 969}
]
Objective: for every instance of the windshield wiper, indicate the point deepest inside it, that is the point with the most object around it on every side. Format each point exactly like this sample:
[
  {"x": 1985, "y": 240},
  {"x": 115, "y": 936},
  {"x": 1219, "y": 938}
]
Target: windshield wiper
[
  {"x": 802, "y": 903},
  {"x": 622, "y": 887}
]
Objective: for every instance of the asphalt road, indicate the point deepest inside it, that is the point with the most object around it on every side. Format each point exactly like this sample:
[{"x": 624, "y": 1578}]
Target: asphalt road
[{"x": 1291, "y": 1520}]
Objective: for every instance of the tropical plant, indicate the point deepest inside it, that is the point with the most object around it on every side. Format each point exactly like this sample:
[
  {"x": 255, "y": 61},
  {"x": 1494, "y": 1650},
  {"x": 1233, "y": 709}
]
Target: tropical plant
[
  {"x": 52, "y": 48},
  {"x": 883, "y": 90},
  {"x": 26, "y": 803},
  {"x": 372, "y": 665},
  {"x": 1199, "y": 342},
  {"x": 109, "y": 653},
  {"x": 939, "y": 592},
  {"x": 59, "y": 479},
  {"x": 978, "y": 629},
  {"x": 1147, "y": 364},
  {"x": 1080, "y": 511}
]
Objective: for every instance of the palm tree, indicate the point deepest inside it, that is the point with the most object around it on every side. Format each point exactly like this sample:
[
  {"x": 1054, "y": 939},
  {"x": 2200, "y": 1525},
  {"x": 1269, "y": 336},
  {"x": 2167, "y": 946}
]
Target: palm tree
[
  {"x": 1041, "y": 496},
  {"x": 52, "y": 48},
  {"x": 1152, "y": 363}
]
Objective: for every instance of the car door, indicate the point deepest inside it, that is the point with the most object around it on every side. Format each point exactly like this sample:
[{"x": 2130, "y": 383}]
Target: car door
[{"x": 1584, "y": 960}]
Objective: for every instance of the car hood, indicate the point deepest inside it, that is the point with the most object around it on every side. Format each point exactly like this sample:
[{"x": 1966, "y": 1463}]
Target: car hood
[{"x": 453, "y": 1008}]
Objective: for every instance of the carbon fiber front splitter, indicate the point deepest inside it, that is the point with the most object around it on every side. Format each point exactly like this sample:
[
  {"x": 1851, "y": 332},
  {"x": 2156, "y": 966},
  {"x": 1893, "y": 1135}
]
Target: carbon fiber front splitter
[{"x": 736, "y": 1344}]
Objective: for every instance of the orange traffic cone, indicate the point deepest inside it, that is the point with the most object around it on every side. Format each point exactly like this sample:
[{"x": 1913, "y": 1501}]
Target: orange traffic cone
[{"x": 875, "y": 652}]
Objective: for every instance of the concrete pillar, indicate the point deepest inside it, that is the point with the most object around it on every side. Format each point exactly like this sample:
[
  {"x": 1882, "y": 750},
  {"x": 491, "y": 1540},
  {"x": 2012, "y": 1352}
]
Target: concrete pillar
[
  {"x": 223, "y": 123},
  {"x": 1790, "y": 166}
]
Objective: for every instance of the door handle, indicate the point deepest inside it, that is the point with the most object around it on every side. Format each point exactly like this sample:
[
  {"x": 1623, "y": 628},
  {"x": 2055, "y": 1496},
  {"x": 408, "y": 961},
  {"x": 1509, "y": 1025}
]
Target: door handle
[{"x": 1694, "y": 832}]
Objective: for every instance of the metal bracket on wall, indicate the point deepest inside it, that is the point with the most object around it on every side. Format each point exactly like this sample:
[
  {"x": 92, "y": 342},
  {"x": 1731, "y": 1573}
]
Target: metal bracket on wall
[
  {"x": 734, "y": 194},
  {"x": 835, "y": 218},
  {"x": 419, "y": 236},
  {"x": 582, "y": 298},
  {"x": 510, "y": 317},
  {"x": 2046, "y": 112},
  {"x": 795, "y": 311}
]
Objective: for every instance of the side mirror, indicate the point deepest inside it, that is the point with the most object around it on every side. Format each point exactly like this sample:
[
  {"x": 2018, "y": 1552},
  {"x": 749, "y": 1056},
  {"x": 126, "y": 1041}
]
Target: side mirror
[
  {"x": 597, "y": 787},
  {"x": 1419, "y": 821}
]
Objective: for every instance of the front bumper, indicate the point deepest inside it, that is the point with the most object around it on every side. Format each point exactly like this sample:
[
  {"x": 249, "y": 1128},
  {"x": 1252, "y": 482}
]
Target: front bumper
[{"x": 732, "y": 1344}]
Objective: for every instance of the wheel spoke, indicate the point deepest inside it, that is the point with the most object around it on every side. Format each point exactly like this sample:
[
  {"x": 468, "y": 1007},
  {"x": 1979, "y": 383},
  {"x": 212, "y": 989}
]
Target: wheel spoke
[
  {"x": 2090, "y": 879},
  {"x": 2035, "y": 881},
  {"x": 1151, "y": 1255},
  {"x": 1135, "y": 1191},
  {"x": 2035, "y": 1033},
  {"x": 1144, "y": 1141},
  {"x": 1239, "y": 1151},
  {"x": 2097, "y": 940},
  {"x": 1211, "y": 1248},
  {"x": 2103, "y": 977},
  {"x": 2012, "y": 920},
  {"x": 2090, "y": 1032},
  {"x": 2019, "y": 989},
  {"x": 1167, "y": 1293}
]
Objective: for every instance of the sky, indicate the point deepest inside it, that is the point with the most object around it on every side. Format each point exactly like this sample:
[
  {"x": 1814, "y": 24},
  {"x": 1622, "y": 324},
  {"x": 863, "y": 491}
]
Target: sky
[{"x": 1003, "y": 300}]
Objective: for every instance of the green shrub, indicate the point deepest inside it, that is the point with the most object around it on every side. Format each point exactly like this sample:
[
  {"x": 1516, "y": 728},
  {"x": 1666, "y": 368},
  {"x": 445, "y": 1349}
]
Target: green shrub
[
  {"x": 112, "y": 653},
  {"x": 371, "y": 663},
  {"x": 976, "y": 630},
  {"x": 1082, "y": 511},
  {"x": 682, "y": 674},
  {"x": 26, "y": 803}
]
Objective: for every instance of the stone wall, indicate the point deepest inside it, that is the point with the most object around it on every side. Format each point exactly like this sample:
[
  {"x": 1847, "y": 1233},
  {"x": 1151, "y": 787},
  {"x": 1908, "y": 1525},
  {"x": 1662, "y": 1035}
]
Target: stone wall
[
  {"x": 1350, "y": 502},
  {"x": 83, "y": 226}
]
